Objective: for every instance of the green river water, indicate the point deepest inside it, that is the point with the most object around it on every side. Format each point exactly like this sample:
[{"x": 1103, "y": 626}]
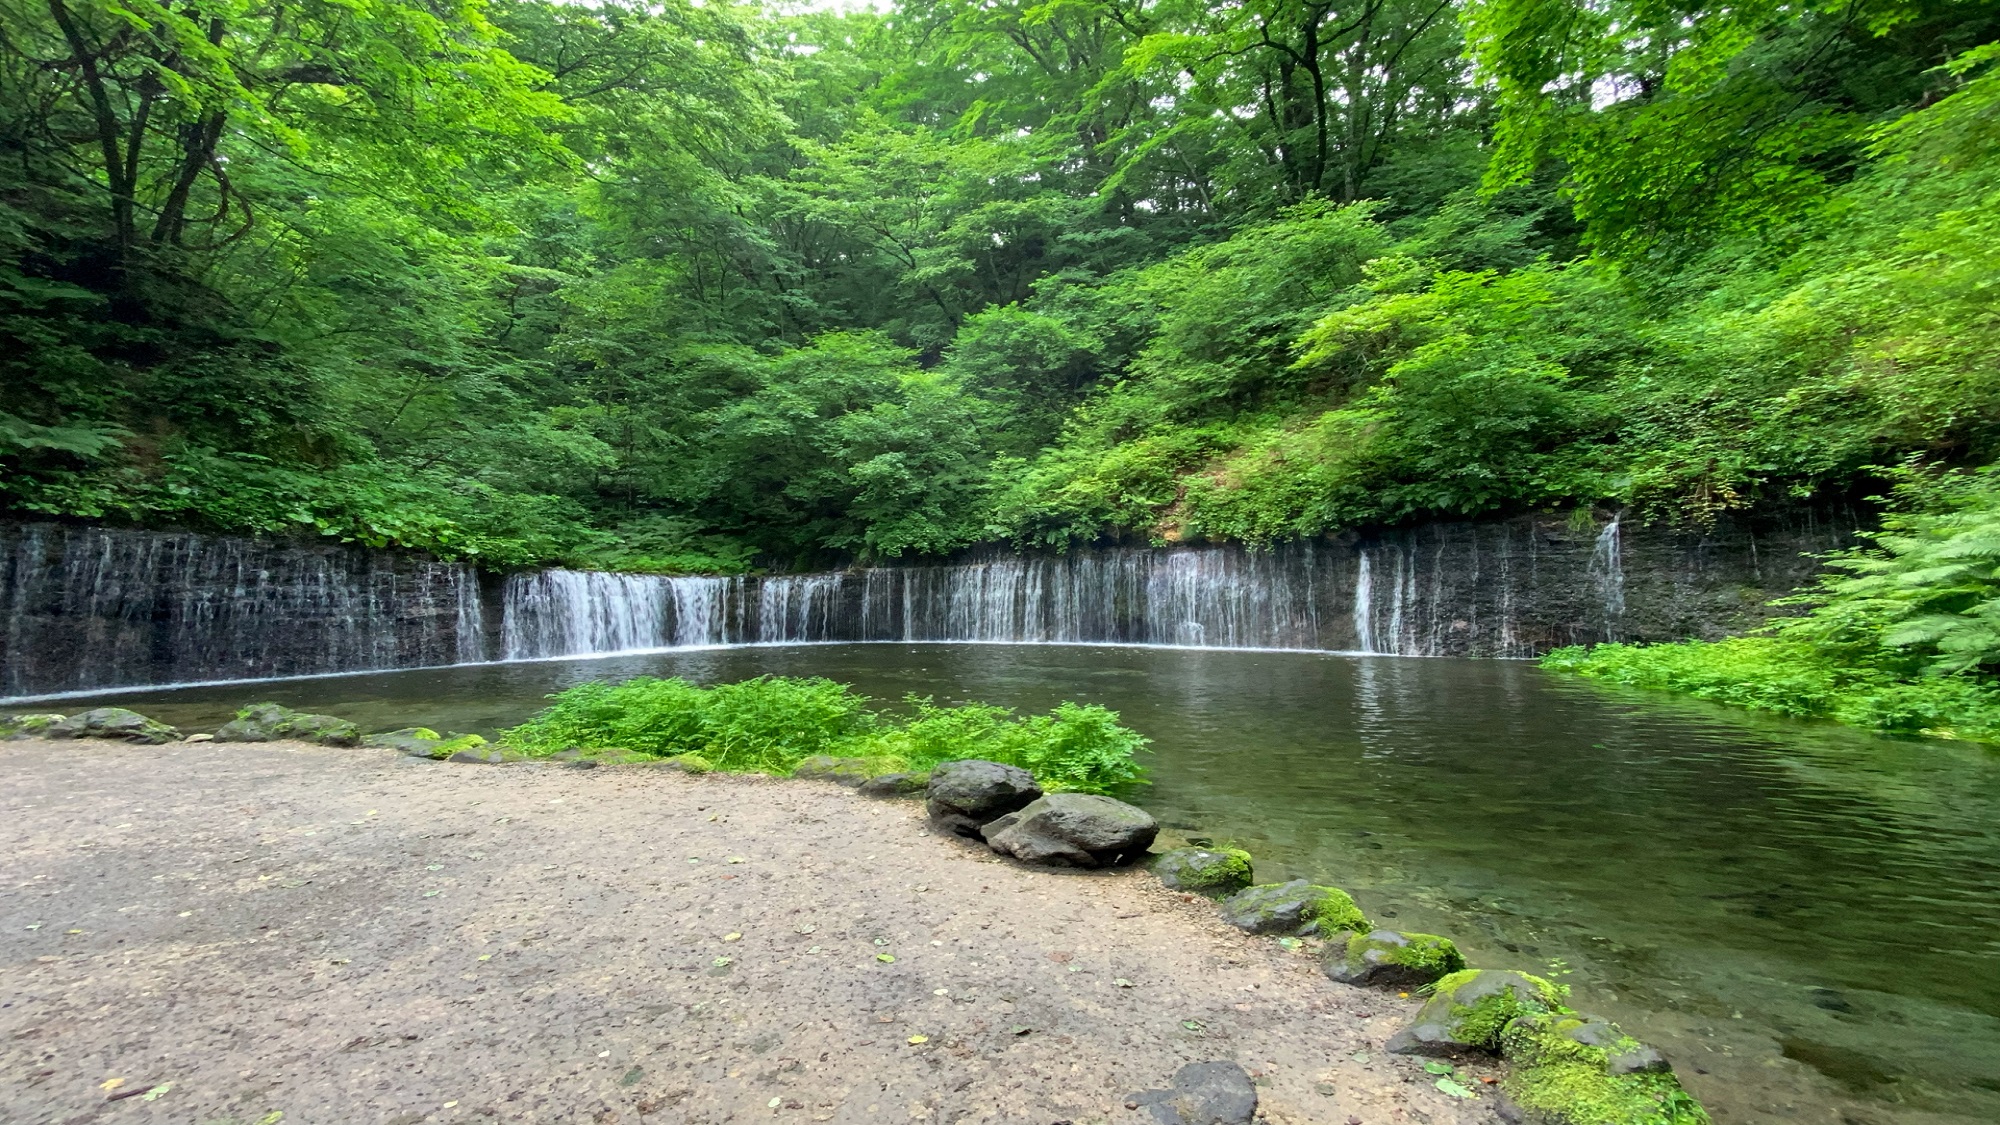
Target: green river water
[{"x": 1805, "y": 918}]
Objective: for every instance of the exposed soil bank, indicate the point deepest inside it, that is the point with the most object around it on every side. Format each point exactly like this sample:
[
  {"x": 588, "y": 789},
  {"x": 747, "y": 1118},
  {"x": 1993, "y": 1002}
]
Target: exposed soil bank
[{"x": 354, "y": 936}]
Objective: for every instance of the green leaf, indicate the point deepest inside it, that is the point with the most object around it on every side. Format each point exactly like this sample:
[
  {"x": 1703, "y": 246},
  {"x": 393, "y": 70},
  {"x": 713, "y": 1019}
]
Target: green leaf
[{"x": 1454, "y": 1089}]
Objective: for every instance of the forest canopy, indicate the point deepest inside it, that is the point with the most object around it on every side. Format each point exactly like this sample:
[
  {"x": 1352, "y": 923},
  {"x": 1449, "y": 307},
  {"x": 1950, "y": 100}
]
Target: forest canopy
[{"x": 700, "y": 286}]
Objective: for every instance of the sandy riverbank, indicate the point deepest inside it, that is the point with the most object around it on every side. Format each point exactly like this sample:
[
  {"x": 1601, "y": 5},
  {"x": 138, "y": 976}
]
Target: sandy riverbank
[{"x": 353, "y": 936}]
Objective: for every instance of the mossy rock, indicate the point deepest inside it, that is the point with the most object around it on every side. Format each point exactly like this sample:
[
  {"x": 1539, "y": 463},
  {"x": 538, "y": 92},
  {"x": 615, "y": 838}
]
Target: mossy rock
[
  {"x": 690, "y": 763},
  {"x": 1207, "y": 871},
  {"x": 1297, "y": 907},
  {"x": 850, "y": 772},
  {"x": 1469, "y": 1010},
  {"x": 896, "y": 785},
  {"x": 1575, "y": 1070},
  {"x": 13, "y": 727},
  {"x": 112, "y": 722},
  {"x": 1392, "y": 959},
  {"x": 417, "y": 742},
  {"x": 270, "y": 722},
  {"x": 469, "y": 744}
]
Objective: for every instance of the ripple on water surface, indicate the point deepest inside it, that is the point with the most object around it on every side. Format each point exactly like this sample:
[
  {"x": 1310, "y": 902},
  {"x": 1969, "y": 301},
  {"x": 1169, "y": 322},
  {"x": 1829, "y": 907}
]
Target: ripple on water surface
[{"x": 1806, "y": 918}]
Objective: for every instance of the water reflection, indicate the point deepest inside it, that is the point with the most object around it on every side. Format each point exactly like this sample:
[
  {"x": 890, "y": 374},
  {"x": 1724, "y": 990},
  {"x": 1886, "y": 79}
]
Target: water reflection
[{"x": 1804, "y": 917}]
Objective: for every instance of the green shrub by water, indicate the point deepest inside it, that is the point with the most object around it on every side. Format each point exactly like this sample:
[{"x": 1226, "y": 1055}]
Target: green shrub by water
[
  {"x": 772, "y": 723},
  {"x": 1791, "y": 678}
]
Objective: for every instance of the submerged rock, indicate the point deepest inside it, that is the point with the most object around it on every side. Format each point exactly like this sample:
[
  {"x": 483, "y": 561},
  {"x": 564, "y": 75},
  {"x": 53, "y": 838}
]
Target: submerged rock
[
  {"x": 1203, "y": 1093},
  {"x": 1208, "y": 871},
  {"x": 963, "y": 797},
  {"x": 1391, "y": 958},
  {"x": 1571, "y": 1069},
  {"x": 1469, "y": 1010},
  {"x": 112, "y": 722},
  {"x": 895, "y": 785},
  {"x": 1073, "y": 830},
  {"x": 850, "y": 772},
  {"x": 269, "y": 722},
  {"x": 1297, "y": 907},
  {"x": 14, "y": 727}
]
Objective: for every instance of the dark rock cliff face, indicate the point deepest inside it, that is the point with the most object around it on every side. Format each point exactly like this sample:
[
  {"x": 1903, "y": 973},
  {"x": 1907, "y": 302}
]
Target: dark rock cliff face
[{"x": 85, "y": 608}]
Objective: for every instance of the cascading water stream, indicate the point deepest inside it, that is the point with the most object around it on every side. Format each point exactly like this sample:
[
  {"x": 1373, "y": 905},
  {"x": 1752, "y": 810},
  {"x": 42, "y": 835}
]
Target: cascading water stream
[
  {"x": 89, "y": 608},
  {"x": 1607, "y": 573}
]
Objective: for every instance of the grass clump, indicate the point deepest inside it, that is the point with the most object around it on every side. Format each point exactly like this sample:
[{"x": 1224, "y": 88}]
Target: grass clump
[
  {"x": 772, "y": 723},
  {"x": 1786, "y": 676}
]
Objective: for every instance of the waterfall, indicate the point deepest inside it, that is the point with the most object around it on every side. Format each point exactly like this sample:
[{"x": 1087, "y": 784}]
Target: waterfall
[
  {"x": 1364, "y": 605},
  {"x": 88, "y": 608},
  {"x": 1606, "y": 571},
  {"x": 551, "y": 613},
  {"x": 92, "y": 608}
]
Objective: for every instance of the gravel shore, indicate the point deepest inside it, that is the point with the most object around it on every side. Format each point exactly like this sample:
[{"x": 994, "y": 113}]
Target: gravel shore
[{"x": 285, "y": 932}]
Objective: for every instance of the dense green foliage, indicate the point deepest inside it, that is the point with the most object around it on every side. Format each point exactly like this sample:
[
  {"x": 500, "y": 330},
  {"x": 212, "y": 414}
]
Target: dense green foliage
[
  {"x": 771, "y": 723},
  {"x": 679, "y": 286},
  {"x": 1901, "y": 635}
]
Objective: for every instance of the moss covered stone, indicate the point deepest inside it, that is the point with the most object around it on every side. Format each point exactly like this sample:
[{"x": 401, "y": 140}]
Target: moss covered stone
[
  {"x": 27, "y": 726},
  {"x": 113, "y": 722},
  {"x": 841, "y": 771},
  {"x": 1469, "y": 1010},
  {"x": 269, "y": 722},
  {"x": 1208, "y": 871},
  {"x": 1390, "y": 958},
  {"x": 1575, "y": 1070},
  {"x": 418, "y": 742},
  {"x": 1297, "y": 907},
  {"x": 896, "y": 785},
  {"x": 472, "y": 744}
]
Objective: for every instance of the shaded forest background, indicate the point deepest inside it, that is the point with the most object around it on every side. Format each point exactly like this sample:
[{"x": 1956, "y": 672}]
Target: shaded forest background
[{"x": 699, "y": 286}]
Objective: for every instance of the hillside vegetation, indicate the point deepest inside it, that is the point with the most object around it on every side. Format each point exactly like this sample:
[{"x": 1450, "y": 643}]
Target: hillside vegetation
[{"x": 693, "y": 286}]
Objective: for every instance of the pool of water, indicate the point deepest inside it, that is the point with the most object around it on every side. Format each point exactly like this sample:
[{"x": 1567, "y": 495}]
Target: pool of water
[{"x": 1805, "y": 918}]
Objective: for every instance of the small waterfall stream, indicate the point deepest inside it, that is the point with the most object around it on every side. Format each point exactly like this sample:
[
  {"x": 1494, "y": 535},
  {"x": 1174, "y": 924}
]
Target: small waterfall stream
[
  {"x": 1607, "y": 573},
  {"x": 93, "y": 608}
]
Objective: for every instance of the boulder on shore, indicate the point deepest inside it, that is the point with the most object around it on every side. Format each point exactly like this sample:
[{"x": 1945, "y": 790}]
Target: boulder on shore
[
  {"x": 895, "y": 785},
  {"x": 1390, "y": 958},
  {"x": 1468, "y": 1011},
  {"x": 112, "y": 722},
  {"x": 1073, "y": 830},
  {"x": 418, "y": 742},
  {"x": 14, "y": 727},
  {"x": 1297, "y": 907},
  {"x": 1207, "y": 871},
  {"x": 963, "y": 797},
  {"x": 1203, "y": 1093},
  {"x": 850, "y": 772},
  {"x": 1572, "y": 1069},
  {"x": 270, "y": 722}
]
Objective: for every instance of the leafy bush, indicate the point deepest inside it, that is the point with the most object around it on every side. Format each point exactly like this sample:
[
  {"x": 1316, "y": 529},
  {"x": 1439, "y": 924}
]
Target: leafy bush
[{"x": 772, "y": 723}]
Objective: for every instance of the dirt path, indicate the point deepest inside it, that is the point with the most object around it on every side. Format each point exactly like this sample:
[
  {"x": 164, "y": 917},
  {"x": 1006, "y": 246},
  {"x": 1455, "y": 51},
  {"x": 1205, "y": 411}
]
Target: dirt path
[{"x": 349, "y": 937}]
